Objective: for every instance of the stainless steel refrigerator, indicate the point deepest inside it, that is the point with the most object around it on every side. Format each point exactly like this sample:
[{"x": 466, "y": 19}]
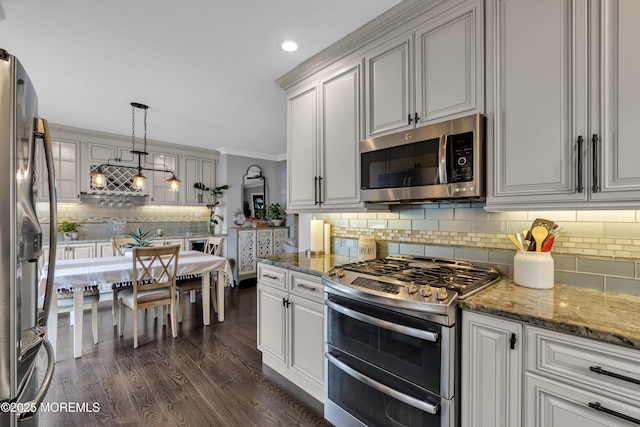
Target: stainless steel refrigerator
[{"x": 22, "y": 317}]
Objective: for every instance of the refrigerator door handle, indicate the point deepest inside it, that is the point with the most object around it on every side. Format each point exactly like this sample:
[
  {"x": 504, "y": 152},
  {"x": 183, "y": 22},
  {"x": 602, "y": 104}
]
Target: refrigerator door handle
[
  {"x": 44, "y": 387},
  {"x": 43, "y": 132}
]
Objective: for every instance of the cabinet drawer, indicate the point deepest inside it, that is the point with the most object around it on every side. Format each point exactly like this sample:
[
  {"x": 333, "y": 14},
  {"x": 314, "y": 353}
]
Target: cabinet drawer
[
  {"x": 600, "y": 367},
  {"x": 551, "y": 403},
  {"x": 274, "y": 276},
  {"x": 306, "y": 285}
]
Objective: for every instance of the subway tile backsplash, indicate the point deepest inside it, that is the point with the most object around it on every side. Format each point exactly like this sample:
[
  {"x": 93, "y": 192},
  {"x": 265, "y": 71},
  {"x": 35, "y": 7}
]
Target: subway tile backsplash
[{"x": 596, "y": 249}]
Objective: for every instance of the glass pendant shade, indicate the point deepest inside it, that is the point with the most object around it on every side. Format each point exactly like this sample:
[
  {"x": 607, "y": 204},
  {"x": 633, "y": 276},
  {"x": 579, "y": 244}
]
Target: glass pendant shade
[
  {"x": 174, "y": 183},
  {"x": 139, "y": 181},
  {"x": 97, "y": 178}
]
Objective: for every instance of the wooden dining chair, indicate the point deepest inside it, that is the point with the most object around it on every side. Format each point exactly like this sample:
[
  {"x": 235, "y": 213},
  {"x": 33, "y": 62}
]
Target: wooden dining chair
[
  {"x": 154, "y": 285},
  {"x": 213, "y": 247},
  {"x": 118, "y": 246}
]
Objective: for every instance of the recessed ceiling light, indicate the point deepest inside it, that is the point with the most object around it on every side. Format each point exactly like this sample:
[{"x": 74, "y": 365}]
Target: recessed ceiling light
[{"x": 288, "y": 45}]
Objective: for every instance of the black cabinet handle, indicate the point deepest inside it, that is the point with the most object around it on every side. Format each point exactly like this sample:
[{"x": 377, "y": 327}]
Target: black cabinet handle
[
  {"x": 599, "y": 370},
  {"x": 598, "y": 407},
  {"x": 416, "y": 118},
  {"x": 284, "y": 302},
  {"x": 268, "y": 276},
  {"x": 409, "y": 118},
  {"x": 579, "y": 187},
  {"x": 315, "y": 190},
  {"x": 594, "y": 143},
  {"x": 309, "y": 288},
  {"x": 513, "y": 341},
  {"x": 320, "y": 201}
]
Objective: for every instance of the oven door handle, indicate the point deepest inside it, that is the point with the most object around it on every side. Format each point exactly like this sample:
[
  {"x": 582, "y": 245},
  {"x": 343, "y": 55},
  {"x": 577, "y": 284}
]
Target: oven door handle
[
  {"x": 409, "y": 400},
  {"x": 406, "y": 330}
]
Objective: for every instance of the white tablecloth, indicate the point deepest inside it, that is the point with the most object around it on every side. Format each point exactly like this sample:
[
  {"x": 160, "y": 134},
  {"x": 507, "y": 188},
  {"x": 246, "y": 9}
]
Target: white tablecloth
[{"x": 87, "y": 273}]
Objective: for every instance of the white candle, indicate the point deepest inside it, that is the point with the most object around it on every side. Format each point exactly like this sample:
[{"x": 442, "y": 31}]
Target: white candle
[
  {"x": 317, "y": 240},
  {"x": 327, "y": 238}
]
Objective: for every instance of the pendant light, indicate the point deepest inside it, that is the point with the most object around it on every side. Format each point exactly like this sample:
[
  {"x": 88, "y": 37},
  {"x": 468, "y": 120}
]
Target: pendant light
[{"x": 138, "y": 181}]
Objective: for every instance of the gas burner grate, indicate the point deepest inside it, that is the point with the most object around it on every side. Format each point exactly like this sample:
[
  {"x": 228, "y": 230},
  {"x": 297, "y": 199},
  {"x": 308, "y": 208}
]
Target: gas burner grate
[{"x": 458, "y": 276}]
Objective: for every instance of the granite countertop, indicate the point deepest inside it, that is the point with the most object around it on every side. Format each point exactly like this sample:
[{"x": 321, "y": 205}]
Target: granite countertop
[
  {"x": 316, "y": 265},
  {"x": 604, "y": 316}
]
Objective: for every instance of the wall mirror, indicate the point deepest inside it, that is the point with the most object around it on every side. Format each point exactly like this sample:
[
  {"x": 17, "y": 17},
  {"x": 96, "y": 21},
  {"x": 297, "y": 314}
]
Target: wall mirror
[{"x": 254, "y": 192}]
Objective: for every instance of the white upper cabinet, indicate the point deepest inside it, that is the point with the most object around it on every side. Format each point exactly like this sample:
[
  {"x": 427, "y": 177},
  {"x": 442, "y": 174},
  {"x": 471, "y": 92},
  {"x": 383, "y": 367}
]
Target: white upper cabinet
[
  {"x": 302, "y": 152},
  {"x": 66, "y": 155},
  {"x": 449, "y": 65},
  {"x": 323, "y": 134},
  {"x": 158, "y": 180},
  {"x": 389, "y": 83},
  {"x": 564, "y": 102},
  {"x": 196, "y": 170},
  {"x": 431, "y": 73}
]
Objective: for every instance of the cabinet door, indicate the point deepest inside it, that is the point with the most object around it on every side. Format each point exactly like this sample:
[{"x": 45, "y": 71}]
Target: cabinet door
[
  {"x": 539, "y": 100},
  {"x": 306, "y": 319},
  {"x": 191, "y": 176},
  {"x": 340, "y": 134},
  {"x": 81, "y": 250},
  {"x": 449, "y": 65},
  {"x": 389, "y": 96},
  {"x": 302, "y": 155},
  {"x": 104, "y": 249},
  {"x": 264, "y": 246},
  {"x": 246, "y": 252},
  {"x": 552, "y": 404},
  {"x": 161, "y": 193},
  {"x": 615, "y": 95},
  {"x": 279, "y": 236},
  {"x": 491, "y": 371},
  {"x": 65, "y": 160},
  {"x": 272, "y": 321}
]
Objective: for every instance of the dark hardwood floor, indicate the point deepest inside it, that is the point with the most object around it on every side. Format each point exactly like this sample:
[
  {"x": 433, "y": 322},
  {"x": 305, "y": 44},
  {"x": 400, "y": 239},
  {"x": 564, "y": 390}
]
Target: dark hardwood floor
[{"x": 207, "y": 376}]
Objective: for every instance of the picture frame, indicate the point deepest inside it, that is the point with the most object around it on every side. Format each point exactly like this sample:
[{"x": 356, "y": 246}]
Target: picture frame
[{"x": 257, "y": 201}]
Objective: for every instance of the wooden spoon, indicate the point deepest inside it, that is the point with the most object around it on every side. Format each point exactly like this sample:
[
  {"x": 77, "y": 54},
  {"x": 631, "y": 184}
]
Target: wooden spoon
[
  {"x": 516, "y": 242},
  {"x": 539, "y": 234}
]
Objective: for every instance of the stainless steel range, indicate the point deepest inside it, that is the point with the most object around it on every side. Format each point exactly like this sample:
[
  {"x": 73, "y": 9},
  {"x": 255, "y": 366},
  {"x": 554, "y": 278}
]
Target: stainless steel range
[{"x": 391, "y": 350}]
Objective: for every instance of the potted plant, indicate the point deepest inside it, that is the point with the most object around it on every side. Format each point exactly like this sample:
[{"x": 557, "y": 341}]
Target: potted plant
[
  {"x": 141, "y": 237},
  {"x": 276, "y": 214},
  {"x": 69, "y": 230},
  {"x": 213, "y": 202}
]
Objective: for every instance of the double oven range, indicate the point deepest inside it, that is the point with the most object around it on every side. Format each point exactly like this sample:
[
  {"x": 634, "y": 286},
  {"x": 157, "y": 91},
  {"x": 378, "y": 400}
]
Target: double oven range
[{"x": 391, "y": 344}]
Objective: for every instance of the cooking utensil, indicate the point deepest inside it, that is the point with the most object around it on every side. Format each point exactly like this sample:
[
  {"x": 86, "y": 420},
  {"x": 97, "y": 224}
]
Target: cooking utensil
[
  {"x": 539, "y": 222},
  {"x": 516, "y": 242},
  {"x": 539, "y": 233},
  {"x": 546, "y": 246}
]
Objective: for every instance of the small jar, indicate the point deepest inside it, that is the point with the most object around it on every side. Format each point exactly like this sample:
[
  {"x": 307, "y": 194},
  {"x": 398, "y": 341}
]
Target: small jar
[
  {"x": 533, "y": 269},
  {"x": 366, "y": 248},
  {"x": 159, "y": 232}
]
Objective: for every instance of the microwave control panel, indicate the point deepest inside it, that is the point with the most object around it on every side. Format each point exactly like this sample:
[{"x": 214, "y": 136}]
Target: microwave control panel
[{"x": 460, "y": 149}]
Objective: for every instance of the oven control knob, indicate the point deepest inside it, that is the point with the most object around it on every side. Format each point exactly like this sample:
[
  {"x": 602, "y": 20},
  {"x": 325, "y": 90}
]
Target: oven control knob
[
  {"x": 411, "y": 288},
  {"x": 441, "y": 294},
  {"x": 426, "y": 291},
  {"x": 340, "y": 272}
]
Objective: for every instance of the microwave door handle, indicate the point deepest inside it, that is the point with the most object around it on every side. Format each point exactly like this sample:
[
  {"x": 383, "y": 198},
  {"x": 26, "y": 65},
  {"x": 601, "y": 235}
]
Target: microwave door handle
[
  {"x": 406, "y": 330},
  {"x": 442, "y": 156},
  {"x": 409, "y": 400}
]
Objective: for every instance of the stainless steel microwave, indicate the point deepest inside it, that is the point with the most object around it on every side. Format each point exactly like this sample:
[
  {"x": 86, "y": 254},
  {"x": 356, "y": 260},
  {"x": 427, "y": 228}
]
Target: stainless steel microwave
[{"x": 443, "y": 161}]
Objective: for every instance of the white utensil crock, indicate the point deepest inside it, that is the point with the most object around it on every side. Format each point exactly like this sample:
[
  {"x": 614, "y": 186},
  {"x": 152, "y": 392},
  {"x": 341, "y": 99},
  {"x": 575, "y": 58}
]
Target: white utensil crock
[{"x": 533, "y": 269}]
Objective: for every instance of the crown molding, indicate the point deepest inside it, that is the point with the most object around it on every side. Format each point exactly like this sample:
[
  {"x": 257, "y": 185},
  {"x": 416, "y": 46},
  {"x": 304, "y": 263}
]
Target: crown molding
[
  {"x": 253, "y": 154},
  {"x": 369, "y": 32}
]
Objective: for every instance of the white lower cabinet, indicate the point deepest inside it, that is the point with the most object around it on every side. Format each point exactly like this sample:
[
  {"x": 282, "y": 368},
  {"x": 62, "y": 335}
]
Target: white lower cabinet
[
  {"x": 548, "y": 378},
  {"x": 491, "y": 371},
  {"x": 290, "y": 326}
]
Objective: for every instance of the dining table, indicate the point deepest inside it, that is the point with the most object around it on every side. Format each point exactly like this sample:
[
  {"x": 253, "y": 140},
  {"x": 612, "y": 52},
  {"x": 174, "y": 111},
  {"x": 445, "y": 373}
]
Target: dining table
[{"x": 78, "y": 275}]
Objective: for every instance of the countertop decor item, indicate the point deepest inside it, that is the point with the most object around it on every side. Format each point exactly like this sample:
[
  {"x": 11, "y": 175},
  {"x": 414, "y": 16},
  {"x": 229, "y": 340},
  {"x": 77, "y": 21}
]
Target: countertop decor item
[
  {"x": 533, "y": 269},
  {"x": 317, "y": 236},
  {"x": 69, "y": 230},
  {"x": 239, "y": 218},
  {"x": 213, "y": 203},
  {"x": 275, "y": 214}
]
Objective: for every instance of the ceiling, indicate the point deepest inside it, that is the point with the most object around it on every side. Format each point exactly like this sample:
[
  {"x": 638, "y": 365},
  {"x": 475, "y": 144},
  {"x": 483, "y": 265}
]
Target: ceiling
[{"x": 205, "y": 68}]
